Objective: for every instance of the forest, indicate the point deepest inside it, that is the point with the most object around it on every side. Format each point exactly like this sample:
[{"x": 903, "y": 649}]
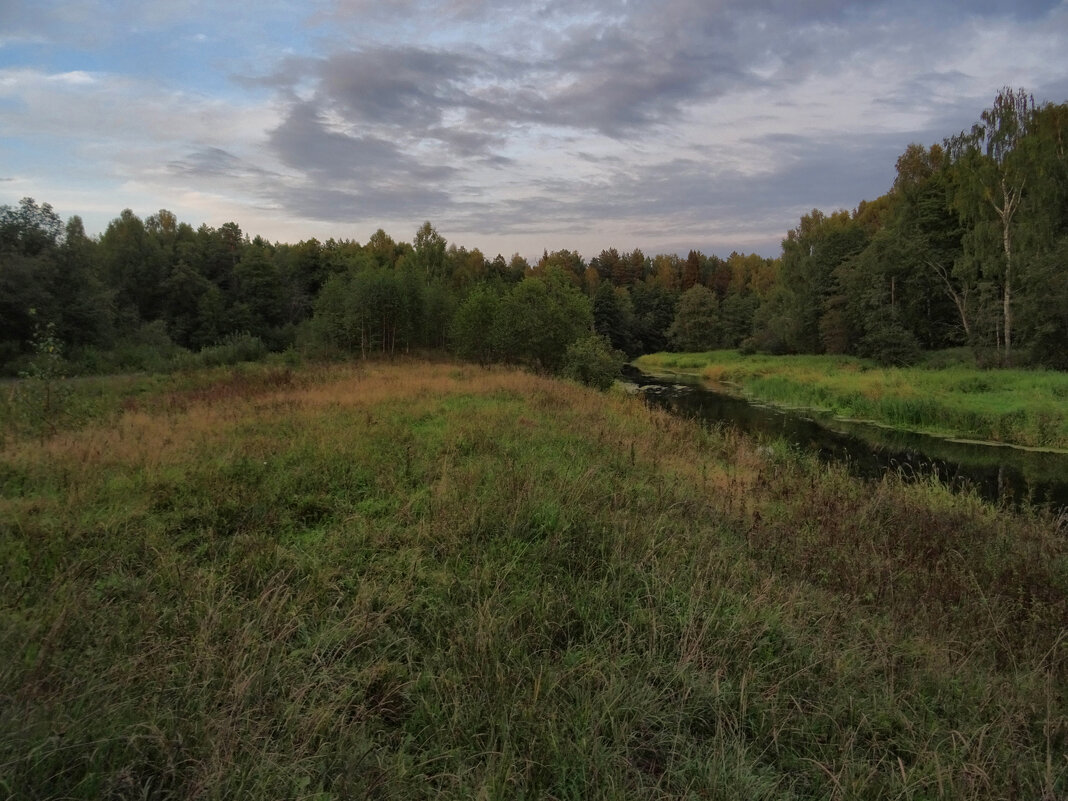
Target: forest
[{"x": 968, "y": 249}]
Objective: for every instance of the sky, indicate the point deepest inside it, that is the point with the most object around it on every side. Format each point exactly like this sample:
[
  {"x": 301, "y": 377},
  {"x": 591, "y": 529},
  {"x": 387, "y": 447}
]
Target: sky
[{"x": 511, "y": 126}]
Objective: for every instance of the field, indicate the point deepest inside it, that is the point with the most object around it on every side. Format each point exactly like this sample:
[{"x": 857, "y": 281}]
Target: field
[
  {"x": 440, "y": 581},
  {"x": 1020, "y": 407}
]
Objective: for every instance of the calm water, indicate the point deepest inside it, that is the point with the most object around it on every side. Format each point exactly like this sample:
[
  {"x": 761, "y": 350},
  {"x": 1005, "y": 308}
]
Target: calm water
[{"x": 999, "y": 474}]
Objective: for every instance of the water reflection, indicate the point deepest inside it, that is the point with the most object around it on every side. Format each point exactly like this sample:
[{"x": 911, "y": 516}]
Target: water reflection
[{"x": 999, "y": 474}]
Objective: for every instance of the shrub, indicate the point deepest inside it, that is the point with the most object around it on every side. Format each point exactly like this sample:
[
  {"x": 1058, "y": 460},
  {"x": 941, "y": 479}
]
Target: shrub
[
  {"x": 233, "y": 349},
  {"x": 593, "y": 361}
]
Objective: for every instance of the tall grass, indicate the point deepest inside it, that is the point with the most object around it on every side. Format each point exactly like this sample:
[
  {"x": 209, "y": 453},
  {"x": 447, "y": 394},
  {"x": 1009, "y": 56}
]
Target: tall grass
[
  {"x": 1022, "y": 407},
  {"x": 426, "y": 581}
]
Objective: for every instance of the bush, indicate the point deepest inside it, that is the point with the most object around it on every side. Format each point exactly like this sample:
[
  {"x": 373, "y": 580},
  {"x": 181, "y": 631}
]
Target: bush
[
  {"x": 232, "y": 349},
  {"x": 150, "y": 349},
  {"x": 593, "y": 361}
]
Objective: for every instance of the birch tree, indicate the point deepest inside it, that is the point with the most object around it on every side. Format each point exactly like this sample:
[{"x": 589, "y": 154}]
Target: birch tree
[{"x": 992, "y": 174}]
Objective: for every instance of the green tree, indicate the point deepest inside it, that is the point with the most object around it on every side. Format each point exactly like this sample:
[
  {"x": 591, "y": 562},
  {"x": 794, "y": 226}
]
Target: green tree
[
  {"x": 613, "y": 316},
  {"x": 810, "y": 255},
  {"x": 29, "y": 238},
  {"x": 887, "y": 340},
  {"x": 736, "y": 315},
  {"x": 41, "y": 396},
  {"x": 474, "y": 323},
  {"x": 992, "y": 173},
  {"x": 30, "y": 229},
  {"x": 1043, "y": 297},
  {"x": 439, "y": 307},
  {"x": 606, "y": 263},
  {"x": 1044, "y": 309},
  {"x": 538, "y": 318},
  {"x": 133, "y": 265},
  {"x": 568, "y": 263},
  {"x": 697, "y": 324},
  {"x": 184, "y": 291},
  {"x": 86, "y": 306},
  {"x": 331, "y": 329},
  {"x": 691, "y": 270},
  {"x": 429, "y": 255},
  {"x": 924, "y": 238},
  {"x": 259, "y": 294},
  {"x": 654, "y": 311}
]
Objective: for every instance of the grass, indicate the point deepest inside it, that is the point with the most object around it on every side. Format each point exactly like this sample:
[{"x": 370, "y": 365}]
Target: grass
[
  {"x": 1020, "y": 407},
  {"x": 435, "y": 581}
]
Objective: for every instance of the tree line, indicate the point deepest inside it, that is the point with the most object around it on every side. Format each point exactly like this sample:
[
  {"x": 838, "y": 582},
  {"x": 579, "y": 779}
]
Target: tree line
[{"x": 968, "y": 248}]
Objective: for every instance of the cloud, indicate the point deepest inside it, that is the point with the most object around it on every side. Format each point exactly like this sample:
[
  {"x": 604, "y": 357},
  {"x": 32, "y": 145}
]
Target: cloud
[
  {"x": 584, "y": 124},
  {"x": 108, "y": 107},
  {"x": 214, "y": 162},
  {"x": 407, "y": 87},
  {"x": 624, "y": 117},
  {"x": 305, "y": 142}
]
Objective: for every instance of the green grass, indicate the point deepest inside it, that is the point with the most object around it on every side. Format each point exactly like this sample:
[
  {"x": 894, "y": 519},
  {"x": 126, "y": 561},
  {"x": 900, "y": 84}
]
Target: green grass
[
  {"x": 1021, "y": 407},
  {"x": 433, "y": 581}
]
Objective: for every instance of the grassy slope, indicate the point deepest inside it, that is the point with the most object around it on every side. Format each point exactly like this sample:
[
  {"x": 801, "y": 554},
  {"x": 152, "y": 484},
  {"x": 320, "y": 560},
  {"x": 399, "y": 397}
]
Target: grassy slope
[
  {"x": 1023, "y": 407},
  {"x": 431, "y": 581}
]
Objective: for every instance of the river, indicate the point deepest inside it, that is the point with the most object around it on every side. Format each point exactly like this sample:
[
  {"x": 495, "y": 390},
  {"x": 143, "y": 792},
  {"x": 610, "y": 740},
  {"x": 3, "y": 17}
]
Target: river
[{"x": 1000, "y": 474}]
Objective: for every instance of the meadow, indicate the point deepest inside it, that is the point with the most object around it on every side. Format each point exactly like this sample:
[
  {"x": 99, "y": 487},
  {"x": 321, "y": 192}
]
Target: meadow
[
  {"x": 1019, "y": 407},
  {"x": 430, "y": 580}
]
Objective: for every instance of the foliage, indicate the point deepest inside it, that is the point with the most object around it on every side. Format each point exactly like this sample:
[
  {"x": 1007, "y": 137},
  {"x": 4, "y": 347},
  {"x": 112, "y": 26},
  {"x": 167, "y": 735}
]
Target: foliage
[
  {"x": 697, "y": 323},
  {"x": 613, "y": 316},
  {"x": 474, "y": 323},
  {"x": 539, "y": 318},
  {"x": 234, "y": 349},
  {"x": 593, "y": 361}
]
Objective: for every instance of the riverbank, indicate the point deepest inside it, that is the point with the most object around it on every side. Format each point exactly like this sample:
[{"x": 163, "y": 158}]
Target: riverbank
[
  {"x": 430, "y": 580},
  {"x": 1027, "y": 408}
]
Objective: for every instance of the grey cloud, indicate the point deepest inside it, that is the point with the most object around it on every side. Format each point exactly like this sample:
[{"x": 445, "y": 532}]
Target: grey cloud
[
  {"x": 304, "y": 143},
  {"x": 623, "y": 82},
  {"x": 400, "y": 86},
  {"x": 373, "y": 203},
  {"x": 1021, "y": 9},
  {"x": 339, "y": 178},
  {"x": 604, "y": 68},
  {"x": 686, "y": 200},
  {"x": 348, "y": 177},
  {"x": 611, "y": 69},
  {"x": 465, "y": 142},
  {"x": 216, "y": 162}
]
